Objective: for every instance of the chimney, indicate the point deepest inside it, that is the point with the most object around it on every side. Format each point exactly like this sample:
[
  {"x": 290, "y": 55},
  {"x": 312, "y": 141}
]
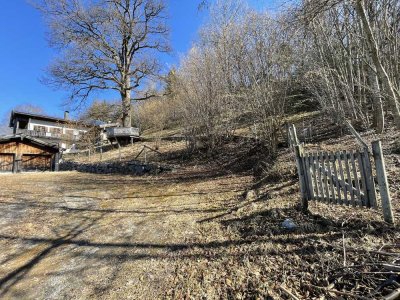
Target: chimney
[{"x": 66, "y": 115}]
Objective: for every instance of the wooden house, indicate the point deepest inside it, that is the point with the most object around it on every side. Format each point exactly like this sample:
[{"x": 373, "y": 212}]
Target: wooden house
[
  {"x": 49, "y": 129},
  {"x": 20, "y": 153},
  {"x": 67, "y": 133}
]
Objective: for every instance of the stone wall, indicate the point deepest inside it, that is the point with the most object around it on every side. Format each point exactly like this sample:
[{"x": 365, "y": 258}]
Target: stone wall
[{"x": 128, "y": 168}]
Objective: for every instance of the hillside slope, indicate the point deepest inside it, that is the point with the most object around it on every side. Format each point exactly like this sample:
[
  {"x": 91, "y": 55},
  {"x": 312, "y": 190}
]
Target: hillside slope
[{"x": 243, "y": 252}]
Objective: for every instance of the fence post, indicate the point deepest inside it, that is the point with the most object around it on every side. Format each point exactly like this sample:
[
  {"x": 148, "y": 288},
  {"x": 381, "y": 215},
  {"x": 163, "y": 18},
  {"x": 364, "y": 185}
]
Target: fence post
[
  {"x": 296, "y": 140},
  {"x": 369, "y": 180},
  {"x": 289, "y": 139},
  {"x": 382, "y": 181},
  {"x": 302, "y": 176},
  {"x": 293, "y": 136},
  {"x": 57, "y": 162}
]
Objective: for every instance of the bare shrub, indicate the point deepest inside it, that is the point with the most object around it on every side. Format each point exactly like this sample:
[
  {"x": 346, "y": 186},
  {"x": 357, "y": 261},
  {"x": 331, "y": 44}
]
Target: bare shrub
[{"x": 241, "y": 66}]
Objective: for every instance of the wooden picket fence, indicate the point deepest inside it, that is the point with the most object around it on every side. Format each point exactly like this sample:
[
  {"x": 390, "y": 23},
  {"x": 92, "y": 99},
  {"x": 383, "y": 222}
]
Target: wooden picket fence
[
  {"x": 339, "y": 178},
  {"x": 344, "y": 177}
]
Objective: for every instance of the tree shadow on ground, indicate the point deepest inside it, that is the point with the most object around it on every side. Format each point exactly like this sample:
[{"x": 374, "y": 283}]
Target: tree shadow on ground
[
  {"x": 13, "y": 277},
  {"x": 269, "y": 223},
  {"x": 143, "y": 211},
  {"x": 254, "y": 229}
]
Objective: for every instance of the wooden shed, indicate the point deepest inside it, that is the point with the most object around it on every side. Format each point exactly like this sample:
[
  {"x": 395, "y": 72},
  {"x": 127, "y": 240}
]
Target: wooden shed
[{"x": 20, "y": 153}]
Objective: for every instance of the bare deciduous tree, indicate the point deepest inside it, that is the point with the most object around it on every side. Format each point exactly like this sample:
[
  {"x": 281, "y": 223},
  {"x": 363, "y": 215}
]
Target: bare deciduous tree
[
  {"x": 353, "y": 59},
  {"x": 105, "y": 44},
  {"x": 241, "y": 66},
  {"x": 105, "y": 111},
  {"x": 248, "y": 65}
]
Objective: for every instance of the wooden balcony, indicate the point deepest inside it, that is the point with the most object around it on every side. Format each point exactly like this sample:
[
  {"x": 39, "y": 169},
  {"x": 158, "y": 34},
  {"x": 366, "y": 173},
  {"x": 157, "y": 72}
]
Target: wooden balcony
[
  {"x": 120, "y": 132},
  {"x": 49, "y": 135}
]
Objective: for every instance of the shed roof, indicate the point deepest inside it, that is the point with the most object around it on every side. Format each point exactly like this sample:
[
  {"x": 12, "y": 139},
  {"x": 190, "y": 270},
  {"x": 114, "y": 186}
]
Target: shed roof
[{"x": 22, "y": 137}]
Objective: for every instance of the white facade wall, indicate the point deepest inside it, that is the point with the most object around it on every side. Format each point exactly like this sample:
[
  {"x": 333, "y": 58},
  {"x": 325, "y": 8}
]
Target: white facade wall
[
  {"x": 63, "y": 127},
  {"x": 32, "y": 123}
]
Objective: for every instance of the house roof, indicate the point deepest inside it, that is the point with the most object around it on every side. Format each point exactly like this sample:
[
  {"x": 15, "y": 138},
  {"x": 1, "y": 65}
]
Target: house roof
[
  {"x": 22, "y": 137},
  {"x": 15, "y": 114}
]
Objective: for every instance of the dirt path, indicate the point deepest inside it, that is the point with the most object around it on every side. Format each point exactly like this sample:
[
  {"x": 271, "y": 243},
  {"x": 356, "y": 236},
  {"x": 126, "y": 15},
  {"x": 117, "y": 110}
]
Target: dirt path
[
  {"x": 73, "y": 235},
  {"x": 189, "y": 234}
]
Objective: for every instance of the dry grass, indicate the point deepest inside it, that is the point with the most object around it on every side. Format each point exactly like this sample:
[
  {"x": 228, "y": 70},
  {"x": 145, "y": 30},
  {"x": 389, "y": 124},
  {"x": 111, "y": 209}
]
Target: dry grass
[
  {"x": 89, "y": 236},
  {"x": 131, "y": 152},
  {"x": 195, "y": 233},
  {"x": 329, "y": 255}
]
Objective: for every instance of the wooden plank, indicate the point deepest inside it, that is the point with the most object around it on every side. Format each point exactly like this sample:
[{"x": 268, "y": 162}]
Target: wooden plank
[
  {"x": 383, "y": 182},
  {"x": 320, "y": 184},
  {"x": 8, "y": 148},
  {"x": 362, "y": 175},
  {"x": 325, "y": 161},
  {"x": 369, "y": 180},
  {"x": 26, "y": 147},
  {"x": 330, "y": 175},
  {"x": 32, "y": 162},
  {"x": 6, "y": 162},
  {"x": 140, "y": 152},
  {"x": 303, "y": 162},
  {"x": 288, "y": 135},
  {"x": 308, "y": 175},
  {"x": 310, "y": 180},
  {"x": 122, "y": 132},
  {"x": 353, "y": 158},
  {"x": 319, "y": 175},
  {"x": 335, "y": 173},
  {"x": 152, "y": 149},
  {"x": 314, "y": 170},
  {"x": 295, "y": 140},
  {"x": 343, "y": 183},
  {"x": 316, "y": 183},
  {"x": 300, "y": 168},
  {"x": 349, "y": 178},
  {"x": 356, "y": 134}
]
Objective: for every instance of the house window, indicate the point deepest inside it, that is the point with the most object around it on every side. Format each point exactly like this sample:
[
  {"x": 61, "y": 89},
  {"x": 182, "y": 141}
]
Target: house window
[
  {"x": 55, "y": 130},
  {"x": 69, "y": 132},
  {"x": 39, "y": 128}
]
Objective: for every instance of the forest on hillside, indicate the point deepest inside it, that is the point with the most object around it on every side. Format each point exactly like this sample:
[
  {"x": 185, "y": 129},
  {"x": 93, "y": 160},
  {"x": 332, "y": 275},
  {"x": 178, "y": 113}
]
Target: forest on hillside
[
  {"x": 255, "y": 68},
  {"x": 247, "y": 67},
  {"x": 243, "y": 182}
]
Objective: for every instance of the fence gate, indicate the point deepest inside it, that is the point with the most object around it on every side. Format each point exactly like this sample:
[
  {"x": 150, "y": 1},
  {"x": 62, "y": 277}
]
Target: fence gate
[
  {"x": 344, "y": 177},
  {"x": 339, "y": 178}
]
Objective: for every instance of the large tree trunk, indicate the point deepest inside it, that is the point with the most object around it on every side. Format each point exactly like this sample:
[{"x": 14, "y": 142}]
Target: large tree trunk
[
  {"x": 126, "y": 104},
  {"x": 383, "y": 76}
]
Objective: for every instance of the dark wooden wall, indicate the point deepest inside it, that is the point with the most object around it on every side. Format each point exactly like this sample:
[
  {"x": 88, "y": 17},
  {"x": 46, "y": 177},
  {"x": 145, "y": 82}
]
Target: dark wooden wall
[
  {"x": 20, "y": 148},
  {"x": 6, "y": 162},
  {"x": 24, "y": 156},
  {"x": 36, "y": 163}
]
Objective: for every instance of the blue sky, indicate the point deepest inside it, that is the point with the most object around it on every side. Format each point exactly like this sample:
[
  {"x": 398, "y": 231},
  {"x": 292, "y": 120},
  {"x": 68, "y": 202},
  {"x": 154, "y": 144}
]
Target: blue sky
[{"x": 24, "y": 52}]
